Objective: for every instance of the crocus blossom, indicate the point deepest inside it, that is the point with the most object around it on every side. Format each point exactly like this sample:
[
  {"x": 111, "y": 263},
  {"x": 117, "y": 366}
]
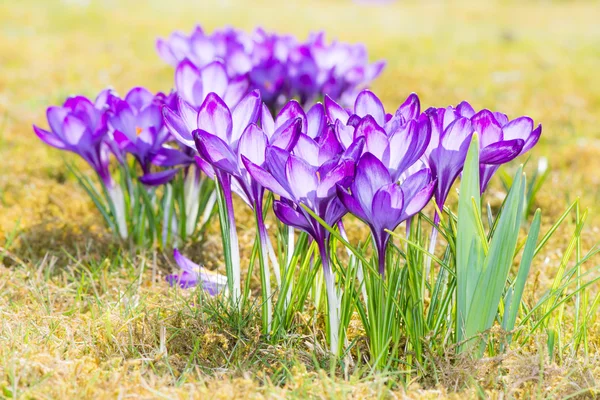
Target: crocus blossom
[
  {"x": 383, "y": 204},
  {"x": 193, "y": 275},
  {"x": 138, "y": 125}
]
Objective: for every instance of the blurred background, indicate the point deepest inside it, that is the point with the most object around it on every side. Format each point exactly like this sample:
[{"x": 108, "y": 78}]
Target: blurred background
[{"x": 540, "y": 59}]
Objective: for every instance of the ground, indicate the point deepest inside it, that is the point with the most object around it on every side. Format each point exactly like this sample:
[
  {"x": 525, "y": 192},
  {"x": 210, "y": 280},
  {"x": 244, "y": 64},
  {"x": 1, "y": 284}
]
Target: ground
[{"x": 80, "y": 319}]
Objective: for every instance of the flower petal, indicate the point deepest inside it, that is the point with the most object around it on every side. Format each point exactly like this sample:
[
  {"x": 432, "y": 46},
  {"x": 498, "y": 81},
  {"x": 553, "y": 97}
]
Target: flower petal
[
  {"x": 214, "y": 150},
  {"x": 49, "y": 138},
  {"x": 214, "y": 78},
  {"x": 369, "y": 104},
  {"x": 159, "y": 178},
  {"x": 291, "y": 217},
  {"x": 214, "y": 117},
  {"x": 334, "y": 111},
  {"x": 265, "y": 179},
  {"x": 244, "y": 114},
  {"x": 501, "y": 152},
  {"x": 188, "y": 83},
  {"x": 253, "y": 144}
]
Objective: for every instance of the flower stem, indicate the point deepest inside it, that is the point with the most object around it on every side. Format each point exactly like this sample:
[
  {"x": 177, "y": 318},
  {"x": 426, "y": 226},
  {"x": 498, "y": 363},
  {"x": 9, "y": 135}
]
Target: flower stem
[
  {"x": 265, "y": 273},
  {"x": 230, "y": 238},
  {"x": 333, "y": 302}
]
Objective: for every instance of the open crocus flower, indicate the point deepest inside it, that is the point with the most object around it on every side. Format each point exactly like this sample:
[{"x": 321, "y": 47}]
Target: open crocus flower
[
  {"x": 311, "y": 182},
  {"x": 80, "y": 127},
  {"x": 138, "y": 125},
  {"x": 377, "y": 199},
  {"x": 501, "y": 140},
  {"x": 193, "y": 275}
]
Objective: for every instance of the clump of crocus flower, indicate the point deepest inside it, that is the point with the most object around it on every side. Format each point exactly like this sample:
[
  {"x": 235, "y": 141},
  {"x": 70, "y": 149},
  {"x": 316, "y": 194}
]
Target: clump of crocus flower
[
  {"x": 280, "y": 66},
  {"x": 245, "y": 114}
]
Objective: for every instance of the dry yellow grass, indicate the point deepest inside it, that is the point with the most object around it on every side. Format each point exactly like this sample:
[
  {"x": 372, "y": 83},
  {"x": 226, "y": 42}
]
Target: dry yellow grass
[{"x": 80, "y": 328}]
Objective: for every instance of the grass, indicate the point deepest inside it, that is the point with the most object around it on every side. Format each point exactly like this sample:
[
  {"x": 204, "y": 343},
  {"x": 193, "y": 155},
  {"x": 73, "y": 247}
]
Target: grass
[{"x": 81, "y": 318}]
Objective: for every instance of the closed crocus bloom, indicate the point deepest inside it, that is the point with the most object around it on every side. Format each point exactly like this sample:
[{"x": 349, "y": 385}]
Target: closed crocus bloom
[
  {"x": 194, "y": 83},
  {"x": 78, "y": 126},
  {"x": 382, "y": 203}
]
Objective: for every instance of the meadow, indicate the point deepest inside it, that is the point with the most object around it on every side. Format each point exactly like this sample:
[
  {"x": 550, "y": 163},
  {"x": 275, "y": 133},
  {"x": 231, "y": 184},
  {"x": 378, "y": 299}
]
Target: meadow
[{"x": 83, "y": 315}]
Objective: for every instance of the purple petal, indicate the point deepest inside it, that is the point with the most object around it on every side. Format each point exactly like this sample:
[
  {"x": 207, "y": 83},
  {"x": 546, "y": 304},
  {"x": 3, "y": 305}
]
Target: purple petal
[
  {"x": 343, "y": 172},
  {"x": 344, "y": 133},
  {"x": 464, "y": 109},
  {"x": 49, "y": 138},
  {"x": 501, "y": 152},
  {"x": 266, "y": 120},
  {"x": 178, "y": 128},
  {"x": 335, "y": 111},
  {"x": 291, "y": 217},
  {"x": 367, "y": 104},
  {"x": 387, "y": 206},
  {"x": 264, "y": 178},
  {"x": 244, "y": 114},
  {"x": 74, "y": 130},
  {"x": 371, "y": 175},
  {"x": 139, "y": 97},
  {"x": 253, "y": 144},
  {"x": 351, "y": 203},
  {"x": 316, "y": 120},
  {"x": 488, "y": 128},
  {"x": 159, "y": 178},
  {"x": 188, "y": 83},
  {"x": 236, "y": 90},
  {"x": 214, "y": 78},
  {"x": 418, "y": 200},
  {"x": 169, "y": 157},
  {"x": 411, "y": 108},
  {"x": 214, "y": 150},
  {"x": 286, "y": 136},
  {"x": 301, "y": 177},
  {"x": 292, "y": 110},
  {"x": 215, "y": 118},
  {"x": 457, "y": 133}
]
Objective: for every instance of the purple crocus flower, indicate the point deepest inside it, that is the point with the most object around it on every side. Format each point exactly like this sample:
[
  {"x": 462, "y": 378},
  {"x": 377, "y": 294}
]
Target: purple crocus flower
[
  {"x": 138, "y": 125},
  {"x": 377, "y": 199},
  {"x": 78, "y": 126},
  {"x": 193, "y": 275},
  {"x": 501, "y": 141}
]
